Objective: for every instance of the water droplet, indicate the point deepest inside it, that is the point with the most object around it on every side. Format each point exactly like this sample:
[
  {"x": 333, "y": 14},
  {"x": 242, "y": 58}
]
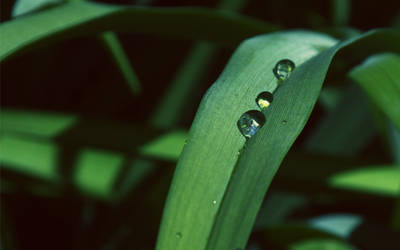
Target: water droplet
[
  {"x": 250, "y": 122},
  {"x": 264, "y": 99},
  {"x": 283, "y": 68},
  {"x": 284, "y": 122},
  {"x": 178, "y": 235},
  {"x": 214, "y": 202}
]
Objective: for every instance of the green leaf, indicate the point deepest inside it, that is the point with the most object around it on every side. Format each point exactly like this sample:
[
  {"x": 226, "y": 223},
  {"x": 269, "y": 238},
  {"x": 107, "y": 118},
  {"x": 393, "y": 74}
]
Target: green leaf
[
  {"x": 380, "y": 179},
  {"x": 22, "y": 7},
  {"x": 114, "y": 46},
  {"x": 393, "y": 135},
  {"x": 385, "y": 70},
  {"x": 341, "y": 12},
  {"x": 330, "y": 97},
  {"x": 168, "y": 146},
  {"x": 341, "y": 177},
  {"x": 341, "y": 225},
  {"x": 96, "y": 172},
  {"x": 327, "y": 244},
  {"x": 83, "y": 18},
  {"x": 219, "y": 184},
  {"x": 344, "y": 138},
  {"x": 41, "y": 124},
  {"x": 32, "y": 158},
  {"x": 281, "y": 205}
]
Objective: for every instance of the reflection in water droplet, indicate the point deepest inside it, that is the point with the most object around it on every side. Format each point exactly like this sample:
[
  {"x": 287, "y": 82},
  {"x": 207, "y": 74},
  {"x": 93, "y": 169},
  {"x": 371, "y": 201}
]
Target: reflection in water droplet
[
  {"x": 178, "y": 235},
  {"x": 283, "y": 68},
  {"x": 214, "y": 202},
  {"x": 264, "y": 99},
  {"x": 250, "y": 122},
  {"x": 284, "y": 122}
]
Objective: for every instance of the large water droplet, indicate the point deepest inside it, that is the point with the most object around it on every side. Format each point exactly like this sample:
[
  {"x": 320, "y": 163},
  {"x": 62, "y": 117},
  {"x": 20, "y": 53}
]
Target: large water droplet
[
  {"x": 283, "y": 68},
  {"x": 250, "y": 122},
  {"x": 264, "y": 99},
  {"x": 179, "y": 235}
]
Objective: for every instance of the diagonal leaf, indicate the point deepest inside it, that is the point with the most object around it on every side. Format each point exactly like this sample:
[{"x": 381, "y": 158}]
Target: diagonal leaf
[
  {"x": 379, "y": 76},
  {"x": 83, "y": 18},
  {"x": 219, "y": 185},
  {"x": 121, "y": 60}
]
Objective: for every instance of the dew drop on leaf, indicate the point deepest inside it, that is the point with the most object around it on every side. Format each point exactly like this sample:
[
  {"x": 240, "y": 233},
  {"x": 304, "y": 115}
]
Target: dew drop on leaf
[
  {"x": 179, "y": 235},
  {"x": 250, "y": 122},
  {"x": 283, "y": 68},
  {"x": 264, "y": 99}
]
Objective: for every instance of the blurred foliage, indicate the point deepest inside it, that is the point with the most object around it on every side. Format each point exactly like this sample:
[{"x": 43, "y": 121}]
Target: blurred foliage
[{"x": 97, "y": 102}]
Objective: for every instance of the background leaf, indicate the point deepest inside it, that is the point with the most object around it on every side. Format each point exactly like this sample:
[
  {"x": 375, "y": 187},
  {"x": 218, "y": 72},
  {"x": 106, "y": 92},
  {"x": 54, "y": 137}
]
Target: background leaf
[{"x": 383, "y": 69}]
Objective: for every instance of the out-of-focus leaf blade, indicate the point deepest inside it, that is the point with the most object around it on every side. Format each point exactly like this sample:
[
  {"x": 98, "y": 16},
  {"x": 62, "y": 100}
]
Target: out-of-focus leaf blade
[
  {"x": 117, "y": 52},
  {"x": 328, "y": 244},
  {"x": 341, "y": 12},
  {"x": 32, "y": 158},
  {"x": 41, "y": 124},
  {"x": 348, "y": 137},
  {"x": 341, "y": 225},
  {"x": 219, "y": 185},
  {"x": 394, "y": 141},
  {"x": 22, "y": 7},
  {"x": 329, "y": 98},
  {"x": 96, "y": 172},
  {"x": 277, "y": 207},
  {"x": 83, "y": 18},
  {"x": 385, "y": 180},
  {"x": 379, "y": 76}
]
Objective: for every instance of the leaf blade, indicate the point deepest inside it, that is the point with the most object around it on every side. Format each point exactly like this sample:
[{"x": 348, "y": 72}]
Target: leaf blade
[
  {"x": 83, "y": 18},
  {"x": 385, "y": 70},
  {"x": 212, "y": 204}
]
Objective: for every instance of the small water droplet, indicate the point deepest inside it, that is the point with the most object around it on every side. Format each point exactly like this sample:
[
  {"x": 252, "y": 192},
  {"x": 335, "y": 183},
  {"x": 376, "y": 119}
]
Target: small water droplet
[
  {"x": 214, "y": 202},
  {"x": 264, "y": 99},
  {"x": 250, "y": 122},
  {"x": 284, "y": 122},
  {"x": 283, "y": 68},
  {"x": 178, "y": 235}
]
